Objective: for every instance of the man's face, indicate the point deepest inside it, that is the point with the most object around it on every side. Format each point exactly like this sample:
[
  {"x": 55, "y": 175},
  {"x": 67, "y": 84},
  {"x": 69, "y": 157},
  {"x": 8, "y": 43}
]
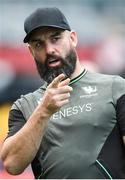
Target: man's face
[{"x": 54, "y": 53}]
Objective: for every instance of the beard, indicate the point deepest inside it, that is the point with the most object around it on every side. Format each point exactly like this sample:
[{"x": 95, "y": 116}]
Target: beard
[{"x": 67, "y": 66}]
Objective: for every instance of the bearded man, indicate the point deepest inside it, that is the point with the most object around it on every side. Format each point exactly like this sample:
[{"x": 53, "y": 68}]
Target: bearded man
[{"x": 72, "y": 126}]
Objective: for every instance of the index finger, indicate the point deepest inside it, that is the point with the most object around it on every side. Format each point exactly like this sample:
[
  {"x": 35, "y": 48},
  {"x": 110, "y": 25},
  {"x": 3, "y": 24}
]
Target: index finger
[
  {"x": 56, "y": 81},
  {"x": 64, "y": 82}
]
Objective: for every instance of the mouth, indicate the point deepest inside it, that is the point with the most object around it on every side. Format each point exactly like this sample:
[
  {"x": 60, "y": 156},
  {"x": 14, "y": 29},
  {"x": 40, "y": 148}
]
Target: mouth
[{"x": 54, "y": 62}]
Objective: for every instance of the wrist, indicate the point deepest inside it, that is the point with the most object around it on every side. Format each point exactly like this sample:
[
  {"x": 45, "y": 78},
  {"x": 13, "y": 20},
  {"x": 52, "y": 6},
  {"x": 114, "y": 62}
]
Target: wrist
[{"x": 43, "y": 112}]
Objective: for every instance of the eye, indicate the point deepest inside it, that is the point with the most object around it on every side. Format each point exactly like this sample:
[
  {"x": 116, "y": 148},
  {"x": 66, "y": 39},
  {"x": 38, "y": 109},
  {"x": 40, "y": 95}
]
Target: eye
[
  {"x": 55, "y": 38},
  {"x": 38, "y": 45}
]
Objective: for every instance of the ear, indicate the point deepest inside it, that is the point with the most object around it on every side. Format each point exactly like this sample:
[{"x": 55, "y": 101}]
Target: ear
[
  {"x": 31, "y": 50},
  {"x": 73, "y": 37}
]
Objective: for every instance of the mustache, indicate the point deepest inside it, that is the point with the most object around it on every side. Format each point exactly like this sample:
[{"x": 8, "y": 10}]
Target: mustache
[
  {"x": 50, "y": 57},
  {"x": 67, "y": 66}
]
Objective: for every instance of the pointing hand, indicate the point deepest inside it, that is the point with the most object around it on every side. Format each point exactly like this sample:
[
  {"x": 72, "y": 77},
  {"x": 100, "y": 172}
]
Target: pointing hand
[{"x": 57, "y": 94}]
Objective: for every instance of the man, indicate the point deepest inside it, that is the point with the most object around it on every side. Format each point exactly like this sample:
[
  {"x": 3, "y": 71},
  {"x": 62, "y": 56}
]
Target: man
[{"x": 73, "y": 126}]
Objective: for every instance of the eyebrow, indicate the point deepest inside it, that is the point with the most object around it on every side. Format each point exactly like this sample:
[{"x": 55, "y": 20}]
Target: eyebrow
[
  {"x": 56, "y": 34},
  {"x": 52, "y": 35}
]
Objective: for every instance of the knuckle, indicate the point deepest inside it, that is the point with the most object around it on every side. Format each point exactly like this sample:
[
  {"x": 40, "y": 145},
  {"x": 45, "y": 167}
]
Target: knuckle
[
  {"x": 68, "y": 94},
  {"x": 69, "y": 88},
  {"x": 55, "y": 100},
  {"x": 52, "y": 100},
  {"x": 66, "y": 102},
  {"x": 57, "y": 104}
]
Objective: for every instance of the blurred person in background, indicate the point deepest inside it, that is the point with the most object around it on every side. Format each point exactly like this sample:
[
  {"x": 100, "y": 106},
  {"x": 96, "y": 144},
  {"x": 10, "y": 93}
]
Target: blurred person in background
[{"x": 72, "y": 126}]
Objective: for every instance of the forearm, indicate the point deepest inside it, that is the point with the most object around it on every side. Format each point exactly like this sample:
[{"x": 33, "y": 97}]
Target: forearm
[{"x": 19, "y": 150}]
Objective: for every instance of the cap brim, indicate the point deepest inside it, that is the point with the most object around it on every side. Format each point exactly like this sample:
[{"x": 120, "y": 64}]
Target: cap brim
[{"x": 27, "y": 37}]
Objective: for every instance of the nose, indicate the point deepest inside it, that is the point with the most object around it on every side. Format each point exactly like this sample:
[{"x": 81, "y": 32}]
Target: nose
[{"x": 50, "y": 48}]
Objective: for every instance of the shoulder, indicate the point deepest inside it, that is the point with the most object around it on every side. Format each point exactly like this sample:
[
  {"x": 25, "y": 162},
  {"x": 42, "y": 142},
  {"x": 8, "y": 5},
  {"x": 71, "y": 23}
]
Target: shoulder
[
  {"x": 32, "y": 95},
  {"x": 95, "y": 76},
  {"x": 115, "y": 83},
  {"x": 28, "y": 102},
  {"x": 23, "y": 99}
]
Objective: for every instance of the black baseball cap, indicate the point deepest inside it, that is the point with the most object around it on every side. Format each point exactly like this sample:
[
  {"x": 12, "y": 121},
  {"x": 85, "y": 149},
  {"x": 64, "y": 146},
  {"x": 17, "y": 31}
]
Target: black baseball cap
[{"x": 45, "y": 17}]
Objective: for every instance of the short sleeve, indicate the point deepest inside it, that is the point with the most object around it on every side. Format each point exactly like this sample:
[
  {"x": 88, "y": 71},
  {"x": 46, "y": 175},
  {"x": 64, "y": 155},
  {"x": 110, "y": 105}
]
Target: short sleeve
[{"x": 15, "y": 122}]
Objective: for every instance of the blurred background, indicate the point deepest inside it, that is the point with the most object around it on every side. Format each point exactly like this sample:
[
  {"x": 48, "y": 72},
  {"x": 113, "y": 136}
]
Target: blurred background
[{"x": 100, "y": 25}]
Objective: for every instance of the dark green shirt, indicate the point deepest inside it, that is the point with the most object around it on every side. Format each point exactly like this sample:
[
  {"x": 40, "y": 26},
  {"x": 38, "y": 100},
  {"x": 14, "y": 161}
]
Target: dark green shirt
[{"x": 83, "y": 139}]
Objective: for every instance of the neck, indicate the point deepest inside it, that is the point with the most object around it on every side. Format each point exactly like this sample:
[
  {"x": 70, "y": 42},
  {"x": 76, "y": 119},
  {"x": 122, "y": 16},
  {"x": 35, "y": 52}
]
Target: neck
[{"x": 78, "y": 70}]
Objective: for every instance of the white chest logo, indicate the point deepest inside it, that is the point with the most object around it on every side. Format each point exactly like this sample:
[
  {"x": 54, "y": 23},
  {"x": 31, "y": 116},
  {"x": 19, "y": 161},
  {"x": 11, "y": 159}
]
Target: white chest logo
[{"x": 89, "y": 89}]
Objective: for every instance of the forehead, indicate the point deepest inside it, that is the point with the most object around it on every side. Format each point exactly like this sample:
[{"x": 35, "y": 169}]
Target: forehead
[{"x": 45, "y": 31}]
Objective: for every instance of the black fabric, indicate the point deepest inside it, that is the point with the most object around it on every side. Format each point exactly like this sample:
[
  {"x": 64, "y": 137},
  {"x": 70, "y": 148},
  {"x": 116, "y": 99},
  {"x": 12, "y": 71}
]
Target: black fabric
[
  {"x": 45, "y": 17},
  {"x": 120, "y": 109},
  {"x": 16, "y": 122},
  {"x": 36, "y": 167},
  {"x": 112, "y": 155},
  {"x": 102, "y": 170}
]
